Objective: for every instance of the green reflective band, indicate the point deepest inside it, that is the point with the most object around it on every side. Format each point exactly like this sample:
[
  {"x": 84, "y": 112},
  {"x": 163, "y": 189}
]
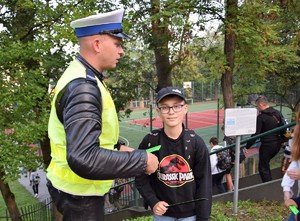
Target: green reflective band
[
  {"x": 152, "y": 149},
  {"x": 294, "y": 210}
]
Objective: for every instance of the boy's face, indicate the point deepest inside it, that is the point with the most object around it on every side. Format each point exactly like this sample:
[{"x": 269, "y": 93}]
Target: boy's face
[{"x": 172, "y": 116}]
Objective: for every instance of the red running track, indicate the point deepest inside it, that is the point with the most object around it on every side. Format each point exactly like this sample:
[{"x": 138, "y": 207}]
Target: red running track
[{"x": 196, "y": 120}]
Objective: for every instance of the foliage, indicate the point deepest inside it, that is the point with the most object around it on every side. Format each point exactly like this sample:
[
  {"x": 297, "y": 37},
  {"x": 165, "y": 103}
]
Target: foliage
[
  {"x": 22, "y": 196},
  {"x": 167, "y": 28},
  {"x": 247, "y": 211},
  {"x": 268, "y": 50},
  {"x": 143, "y": 218},
  {"x": 134, "y": 78}
]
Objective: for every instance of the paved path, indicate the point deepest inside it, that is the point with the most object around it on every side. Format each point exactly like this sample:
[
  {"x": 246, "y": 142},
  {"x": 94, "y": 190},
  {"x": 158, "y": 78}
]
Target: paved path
[{"x": 43, "y": 191}]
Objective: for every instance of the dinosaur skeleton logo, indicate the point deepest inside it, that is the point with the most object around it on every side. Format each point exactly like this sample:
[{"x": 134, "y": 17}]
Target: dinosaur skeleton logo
[{"x": 174, "y": 171}]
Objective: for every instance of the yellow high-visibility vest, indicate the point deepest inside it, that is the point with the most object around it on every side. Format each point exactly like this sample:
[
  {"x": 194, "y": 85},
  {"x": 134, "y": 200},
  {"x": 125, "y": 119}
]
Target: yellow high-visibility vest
[{"x": 59, "y": 172}]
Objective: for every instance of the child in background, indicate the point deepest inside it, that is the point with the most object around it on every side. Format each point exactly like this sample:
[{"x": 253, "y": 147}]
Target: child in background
[
  {"x": 217, "y": 173},
  {"x": 228, "y": 141},
  {"x": 287, "y": 157},
  {"x": 293, "y": 172}
]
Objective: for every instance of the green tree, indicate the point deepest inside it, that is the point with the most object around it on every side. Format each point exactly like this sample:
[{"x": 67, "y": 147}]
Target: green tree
[
  {"x": 268, "y": 50},
  {"x": 37, "y": 44},
  {"x": 167, "y": 27},
  {"x": 134, "y": 79},
  {"x": 33, "y": 42}
]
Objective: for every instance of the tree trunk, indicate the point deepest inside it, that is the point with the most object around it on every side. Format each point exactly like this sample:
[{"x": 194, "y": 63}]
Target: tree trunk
[
  {"x": 46, "y": 149},
  {"x": 160, "y": 45},
  {"x": 9, "y": 199},
  {"x": 163, "y": 69},
  {"x": 229, "y": 49}
]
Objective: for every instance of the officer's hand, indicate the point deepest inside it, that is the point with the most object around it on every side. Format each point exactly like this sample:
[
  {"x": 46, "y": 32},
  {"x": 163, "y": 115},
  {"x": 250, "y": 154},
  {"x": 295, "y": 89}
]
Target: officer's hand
[
  {"x": 160, "y": 208},
  {"x": 152, "y": 163}
]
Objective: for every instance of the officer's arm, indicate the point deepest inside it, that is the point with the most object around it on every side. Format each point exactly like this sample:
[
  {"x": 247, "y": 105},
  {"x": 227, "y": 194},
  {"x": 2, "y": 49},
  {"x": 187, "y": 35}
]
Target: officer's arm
[{"x": 81, "y": 110}]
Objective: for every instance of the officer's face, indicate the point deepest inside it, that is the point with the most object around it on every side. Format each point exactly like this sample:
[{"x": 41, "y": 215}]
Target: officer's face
[{"x": 110, "y": 51}]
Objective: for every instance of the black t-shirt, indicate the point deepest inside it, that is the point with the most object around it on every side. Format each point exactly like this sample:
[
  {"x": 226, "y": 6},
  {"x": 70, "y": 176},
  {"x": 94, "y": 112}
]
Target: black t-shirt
[{"x": 180, "y": 177}]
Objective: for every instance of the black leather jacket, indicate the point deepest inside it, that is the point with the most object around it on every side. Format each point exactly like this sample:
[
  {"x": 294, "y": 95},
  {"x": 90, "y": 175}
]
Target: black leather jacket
[{"x": 79, "y": 108}]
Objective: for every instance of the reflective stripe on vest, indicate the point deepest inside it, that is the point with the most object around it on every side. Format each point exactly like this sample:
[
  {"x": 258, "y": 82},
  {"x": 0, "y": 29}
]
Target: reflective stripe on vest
[{"x": 59, "y": 172}]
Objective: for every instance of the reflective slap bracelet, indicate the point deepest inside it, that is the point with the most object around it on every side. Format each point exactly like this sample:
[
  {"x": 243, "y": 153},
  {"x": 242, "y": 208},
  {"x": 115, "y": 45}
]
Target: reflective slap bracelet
[
  {"x": 153, "y": 149},
  {"x": 294, "y": 209},
  {"x": 185, "y": 202}
]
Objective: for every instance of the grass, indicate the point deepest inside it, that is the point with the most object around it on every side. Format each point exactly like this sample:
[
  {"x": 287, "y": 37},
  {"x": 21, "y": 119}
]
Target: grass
[
  {"x": 22, "y": 197},
  {"x": 250, "y": 211},
  {"x": 247, "y": 211}
]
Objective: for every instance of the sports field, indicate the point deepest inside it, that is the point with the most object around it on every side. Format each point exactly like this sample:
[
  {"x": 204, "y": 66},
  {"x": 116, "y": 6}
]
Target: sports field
[{"x": 202, "y": 117}]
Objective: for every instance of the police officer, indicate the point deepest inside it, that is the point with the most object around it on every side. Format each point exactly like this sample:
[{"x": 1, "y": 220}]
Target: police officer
[{"x": 83, "y": 126}]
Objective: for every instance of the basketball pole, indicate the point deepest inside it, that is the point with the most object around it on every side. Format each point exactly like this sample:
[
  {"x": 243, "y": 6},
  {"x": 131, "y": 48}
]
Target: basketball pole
[
  {"x": 150, "y": 117},
  {"x": 186, "y": 120}
]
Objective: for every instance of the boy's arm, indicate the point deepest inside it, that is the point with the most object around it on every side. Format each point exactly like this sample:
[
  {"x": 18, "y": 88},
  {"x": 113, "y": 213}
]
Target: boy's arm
[
  {"x": 203, "y": 178},
  {"x": 143, "y": 182}
]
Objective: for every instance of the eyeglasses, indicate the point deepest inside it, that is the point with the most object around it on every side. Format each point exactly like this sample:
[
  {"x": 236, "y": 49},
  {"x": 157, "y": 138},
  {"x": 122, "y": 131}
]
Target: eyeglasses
[{"x": 176, "y": 108}]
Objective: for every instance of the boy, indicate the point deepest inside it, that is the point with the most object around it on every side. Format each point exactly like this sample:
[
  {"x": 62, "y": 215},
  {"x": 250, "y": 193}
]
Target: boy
[
  {"x": 217, "y": 173},
  {"x": 184, "y": 172}
]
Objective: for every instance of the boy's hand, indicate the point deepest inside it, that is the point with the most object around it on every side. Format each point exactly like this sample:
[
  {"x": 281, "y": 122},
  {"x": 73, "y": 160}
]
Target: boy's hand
[{"x": 160, "y": 208}]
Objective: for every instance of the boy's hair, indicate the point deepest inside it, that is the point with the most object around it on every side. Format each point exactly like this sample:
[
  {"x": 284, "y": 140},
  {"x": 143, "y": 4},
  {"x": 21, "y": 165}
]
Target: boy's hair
[{"x": 214, "y": 140}]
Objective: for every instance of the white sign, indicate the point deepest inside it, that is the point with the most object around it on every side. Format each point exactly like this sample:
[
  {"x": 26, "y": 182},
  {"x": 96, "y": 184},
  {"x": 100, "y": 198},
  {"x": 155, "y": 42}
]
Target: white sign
[
  {"x": 187, "y": 84},
  {"x": 240, "y": 121}
]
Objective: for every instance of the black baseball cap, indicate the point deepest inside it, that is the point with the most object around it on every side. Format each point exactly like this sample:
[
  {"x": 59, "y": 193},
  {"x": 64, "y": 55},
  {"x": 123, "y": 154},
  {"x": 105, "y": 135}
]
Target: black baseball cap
[{"x": 166, "y": 91}]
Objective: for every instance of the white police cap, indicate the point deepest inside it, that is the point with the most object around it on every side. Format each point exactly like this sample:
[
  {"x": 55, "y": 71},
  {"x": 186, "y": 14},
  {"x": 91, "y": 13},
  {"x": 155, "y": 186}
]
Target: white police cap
[{"x": 106, "y": 23}]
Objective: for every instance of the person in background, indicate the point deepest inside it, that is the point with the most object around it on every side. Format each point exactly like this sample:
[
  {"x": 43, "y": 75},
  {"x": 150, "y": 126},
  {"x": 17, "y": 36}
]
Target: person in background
[
  {"x": 293, "y": 171},
  {"x": 35, "y": 180},
  {"x": 217, "y": 173},
  {"x": 184, "y": 167},
  {"x": 267, "y": 119},
  {"x": 287, "y": 155},
  {"x": 30, "y": 177},
  {"x": 228, "y": 140},
  {"x": 116, "y": 191},
  {"x": 83, "y": 125},
  {"x": 107, "y": 202}
]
